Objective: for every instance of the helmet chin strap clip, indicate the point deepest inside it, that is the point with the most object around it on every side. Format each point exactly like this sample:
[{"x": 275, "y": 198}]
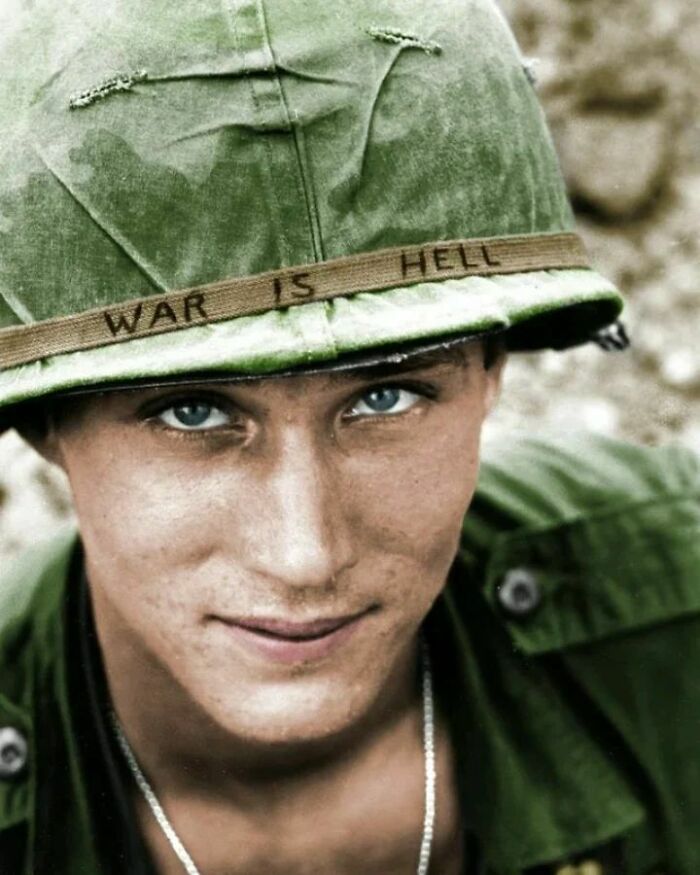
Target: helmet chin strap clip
[{"x": 612, "y": 338}]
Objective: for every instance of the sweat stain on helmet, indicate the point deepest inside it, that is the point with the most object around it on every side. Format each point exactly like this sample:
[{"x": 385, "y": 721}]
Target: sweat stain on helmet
[{"x": 113, "y": 85}]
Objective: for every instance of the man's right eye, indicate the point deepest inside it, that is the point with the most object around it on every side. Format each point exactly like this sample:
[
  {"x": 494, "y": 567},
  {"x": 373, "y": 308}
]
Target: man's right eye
[{"x": 194, "y": 415}]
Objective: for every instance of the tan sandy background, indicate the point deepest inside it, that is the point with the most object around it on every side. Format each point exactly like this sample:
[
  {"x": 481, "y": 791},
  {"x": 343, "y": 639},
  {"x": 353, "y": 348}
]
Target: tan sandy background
[{"x": 619, "y": 82}]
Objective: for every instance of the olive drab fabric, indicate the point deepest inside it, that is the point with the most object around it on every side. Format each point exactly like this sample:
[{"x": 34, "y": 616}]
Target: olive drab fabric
[
  {"x": 150, "y": 147},
  {"x": 571, "y": 694}
]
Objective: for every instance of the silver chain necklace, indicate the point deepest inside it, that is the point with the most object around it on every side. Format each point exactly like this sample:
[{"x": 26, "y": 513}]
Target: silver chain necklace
[{"x": 428, "y": 759}]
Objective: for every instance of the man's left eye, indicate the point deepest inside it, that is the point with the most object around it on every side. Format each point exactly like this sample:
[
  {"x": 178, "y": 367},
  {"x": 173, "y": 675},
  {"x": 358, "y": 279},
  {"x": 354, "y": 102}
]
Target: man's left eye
[
  {"x": 384, "y": 400},
  {"x": 193, "y": 416}
]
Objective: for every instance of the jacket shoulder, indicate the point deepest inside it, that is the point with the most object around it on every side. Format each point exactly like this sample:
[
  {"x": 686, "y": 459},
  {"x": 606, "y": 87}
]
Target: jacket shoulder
[
  {"x": 29, "y": 590},
  {"x": 542, "y": 481},
  {"x": 606, "y": 533}
]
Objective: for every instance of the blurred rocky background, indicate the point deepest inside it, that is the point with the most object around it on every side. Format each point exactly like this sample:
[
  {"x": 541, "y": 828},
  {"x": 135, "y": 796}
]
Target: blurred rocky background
[{"x": 619, "y": 80}]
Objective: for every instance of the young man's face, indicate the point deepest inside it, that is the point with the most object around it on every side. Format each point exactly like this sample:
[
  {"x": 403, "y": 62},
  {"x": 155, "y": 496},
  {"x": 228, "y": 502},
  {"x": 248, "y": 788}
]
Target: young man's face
[{"x": 274, "y": 546}]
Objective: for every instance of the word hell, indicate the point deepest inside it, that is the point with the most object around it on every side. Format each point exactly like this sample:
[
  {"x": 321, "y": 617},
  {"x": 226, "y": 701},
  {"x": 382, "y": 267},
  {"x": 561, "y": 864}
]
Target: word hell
[{"x": 456, "y": 258}]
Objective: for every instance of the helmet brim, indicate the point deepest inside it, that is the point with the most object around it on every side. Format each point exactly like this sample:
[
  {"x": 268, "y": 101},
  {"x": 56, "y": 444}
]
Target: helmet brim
[{"x": 553, "y": 309}]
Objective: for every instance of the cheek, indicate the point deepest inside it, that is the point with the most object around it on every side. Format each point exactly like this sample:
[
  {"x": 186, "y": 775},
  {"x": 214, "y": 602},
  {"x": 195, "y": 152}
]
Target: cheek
[
  {"x": 411, "y": 502},
  {"x": 140, "y": 522}
]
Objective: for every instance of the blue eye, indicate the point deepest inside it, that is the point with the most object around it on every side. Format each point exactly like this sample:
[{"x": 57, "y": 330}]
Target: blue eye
[
  {"x": 193, "y": 416},
  {"x": 384, "y": 400}
]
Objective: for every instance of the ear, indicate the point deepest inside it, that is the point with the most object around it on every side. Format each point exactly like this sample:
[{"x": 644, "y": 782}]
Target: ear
[
  {"x": 38, "y": 429},
  {"x": 494, "y": 379}
]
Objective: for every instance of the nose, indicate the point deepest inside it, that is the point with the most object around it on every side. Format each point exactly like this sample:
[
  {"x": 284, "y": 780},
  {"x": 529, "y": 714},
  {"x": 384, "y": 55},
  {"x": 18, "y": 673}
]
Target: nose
[{"x": 305, "y": 540}]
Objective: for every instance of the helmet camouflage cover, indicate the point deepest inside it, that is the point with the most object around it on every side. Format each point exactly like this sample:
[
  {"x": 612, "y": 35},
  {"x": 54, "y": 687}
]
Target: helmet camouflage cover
[{"x": 247, "y": 186}]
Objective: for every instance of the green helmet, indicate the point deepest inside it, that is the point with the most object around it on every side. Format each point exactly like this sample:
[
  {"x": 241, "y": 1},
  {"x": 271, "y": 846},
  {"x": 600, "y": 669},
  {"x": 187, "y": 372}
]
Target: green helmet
[{"x": 249, "y": 186}]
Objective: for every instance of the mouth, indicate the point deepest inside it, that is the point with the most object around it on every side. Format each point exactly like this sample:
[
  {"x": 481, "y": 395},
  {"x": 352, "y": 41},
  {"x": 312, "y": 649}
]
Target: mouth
[
  {"x": 288, "y": 641},
  {"x": 296, "y": 631}
]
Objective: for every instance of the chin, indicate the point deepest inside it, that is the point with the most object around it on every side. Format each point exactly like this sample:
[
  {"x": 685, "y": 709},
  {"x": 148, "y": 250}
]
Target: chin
[{"x": 297, "y": 712}]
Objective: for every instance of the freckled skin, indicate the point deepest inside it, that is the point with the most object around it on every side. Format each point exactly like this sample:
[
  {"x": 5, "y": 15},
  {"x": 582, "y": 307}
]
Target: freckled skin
[{"x": 296, "y": 510}]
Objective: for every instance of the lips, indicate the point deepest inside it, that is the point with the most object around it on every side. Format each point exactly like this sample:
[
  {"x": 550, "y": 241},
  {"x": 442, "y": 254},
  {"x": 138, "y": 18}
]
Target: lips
[
  {"x": 294, "y": 631},
  {"x": 289, "y": 641}
]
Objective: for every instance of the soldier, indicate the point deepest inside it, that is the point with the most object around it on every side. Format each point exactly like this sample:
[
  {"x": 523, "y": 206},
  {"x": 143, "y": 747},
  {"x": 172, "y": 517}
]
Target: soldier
[{"x": 261, "y": 265}]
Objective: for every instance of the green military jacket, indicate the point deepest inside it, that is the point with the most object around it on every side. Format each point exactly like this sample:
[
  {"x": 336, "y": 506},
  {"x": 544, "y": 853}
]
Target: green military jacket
[{"x": 567, "y": 660}]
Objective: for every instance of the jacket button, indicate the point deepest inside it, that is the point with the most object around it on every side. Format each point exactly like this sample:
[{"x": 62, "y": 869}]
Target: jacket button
[
  {"x": 13, "y": 752},
  {"x": 519, "y": 594}
]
